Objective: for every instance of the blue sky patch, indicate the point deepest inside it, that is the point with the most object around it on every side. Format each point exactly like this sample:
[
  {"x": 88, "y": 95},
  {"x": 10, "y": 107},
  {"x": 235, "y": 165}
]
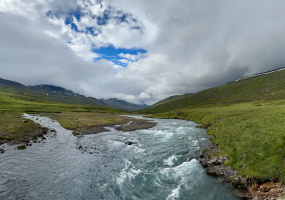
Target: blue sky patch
[
  {"x": 111, "y": 53},
  {"x": 117, "y": 16}
]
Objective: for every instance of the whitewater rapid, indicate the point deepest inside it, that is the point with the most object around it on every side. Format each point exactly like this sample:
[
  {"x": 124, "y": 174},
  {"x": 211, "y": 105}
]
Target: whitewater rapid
[{"x": 160, "y": 164}]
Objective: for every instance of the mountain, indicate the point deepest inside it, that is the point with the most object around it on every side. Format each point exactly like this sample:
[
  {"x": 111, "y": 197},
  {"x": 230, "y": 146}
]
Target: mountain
[
  {"x": 121, "y": 104},
  {"x": 59, "y": 94},
  {"x": 47, "y": 93},
  {"x": 6, "y": 84},
  {"x": 264, "y": 86}
]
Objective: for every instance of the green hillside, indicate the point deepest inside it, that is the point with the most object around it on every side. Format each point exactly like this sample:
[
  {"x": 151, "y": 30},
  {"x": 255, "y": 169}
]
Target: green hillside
[
  {"x": 246, "y": 119},
  {"x": 269, "y": 87}
]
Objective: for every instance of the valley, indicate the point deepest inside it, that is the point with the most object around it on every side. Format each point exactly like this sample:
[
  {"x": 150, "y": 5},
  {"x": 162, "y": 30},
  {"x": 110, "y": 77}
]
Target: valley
[{"x": 245, "y": 119}]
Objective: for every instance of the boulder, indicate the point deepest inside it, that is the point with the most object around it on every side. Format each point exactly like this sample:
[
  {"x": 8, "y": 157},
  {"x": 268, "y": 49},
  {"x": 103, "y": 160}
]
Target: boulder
[{"x": 221, "y": 170}]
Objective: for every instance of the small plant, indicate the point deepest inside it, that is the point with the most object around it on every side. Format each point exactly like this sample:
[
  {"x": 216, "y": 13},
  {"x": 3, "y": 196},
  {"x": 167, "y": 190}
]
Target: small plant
[
  {"x": 21, "y": 147},
  {"x": 75, "y": 133}
]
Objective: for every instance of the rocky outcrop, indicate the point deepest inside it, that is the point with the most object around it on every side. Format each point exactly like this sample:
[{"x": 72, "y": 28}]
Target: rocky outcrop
[
  {"x": 247, "y": 188},
  {"x": 214, "y": 165}
]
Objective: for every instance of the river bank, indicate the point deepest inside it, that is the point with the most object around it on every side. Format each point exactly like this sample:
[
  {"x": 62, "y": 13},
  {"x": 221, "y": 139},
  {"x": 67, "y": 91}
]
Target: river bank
[{"x": 247, "y": 188}]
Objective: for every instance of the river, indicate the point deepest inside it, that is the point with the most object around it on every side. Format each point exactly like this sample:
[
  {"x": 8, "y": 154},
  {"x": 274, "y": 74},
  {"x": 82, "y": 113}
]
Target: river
[{"x": 160, "y": 164}]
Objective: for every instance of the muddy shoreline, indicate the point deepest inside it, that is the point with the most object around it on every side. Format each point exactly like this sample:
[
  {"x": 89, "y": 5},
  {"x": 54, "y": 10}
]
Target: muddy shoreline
[{"x": 134, "y": 124}]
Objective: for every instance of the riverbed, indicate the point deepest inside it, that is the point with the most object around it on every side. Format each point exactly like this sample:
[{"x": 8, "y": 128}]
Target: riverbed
[{"x": 156, "y": 163}]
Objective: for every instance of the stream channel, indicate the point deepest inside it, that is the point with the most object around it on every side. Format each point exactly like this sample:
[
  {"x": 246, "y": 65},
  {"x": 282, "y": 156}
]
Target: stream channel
[{"x": 162, "y": 163}]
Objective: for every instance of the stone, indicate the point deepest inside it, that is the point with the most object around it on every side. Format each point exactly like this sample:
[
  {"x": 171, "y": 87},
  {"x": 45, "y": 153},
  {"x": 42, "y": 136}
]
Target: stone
[
  {"x": 240, "y": 182},
  {"x": 129, "y": 143}
]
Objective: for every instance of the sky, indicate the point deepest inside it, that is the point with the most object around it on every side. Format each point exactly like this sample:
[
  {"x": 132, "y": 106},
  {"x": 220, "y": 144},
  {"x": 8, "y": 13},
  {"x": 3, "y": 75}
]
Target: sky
[{"x": 139, "y": 50}]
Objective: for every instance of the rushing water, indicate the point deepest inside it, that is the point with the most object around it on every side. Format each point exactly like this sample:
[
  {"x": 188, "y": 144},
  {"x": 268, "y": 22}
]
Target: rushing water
[{"x": 161, "y": 164}]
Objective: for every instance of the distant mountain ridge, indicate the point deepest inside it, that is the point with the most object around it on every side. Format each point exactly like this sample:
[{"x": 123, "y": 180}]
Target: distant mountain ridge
[
  {"x": 51, "y": 88},
  {"x": 60, "y": 94},
  {"x": 122, "y": 104},
  {"x": 48, "y": 93},
  {"x": 7, "y": 83}
]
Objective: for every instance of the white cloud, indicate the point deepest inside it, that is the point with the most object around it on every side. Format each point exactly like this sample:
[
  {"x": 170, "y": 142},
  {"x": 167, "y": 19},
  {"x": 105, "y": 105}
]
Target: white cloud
[
  {"x": 132, "y": 57},
  {"x": 20, "y": 7},
  {"x": 84, "y": 51},
  {"x": 123, "y": 60},
  {"x": 144, "y": 95}
]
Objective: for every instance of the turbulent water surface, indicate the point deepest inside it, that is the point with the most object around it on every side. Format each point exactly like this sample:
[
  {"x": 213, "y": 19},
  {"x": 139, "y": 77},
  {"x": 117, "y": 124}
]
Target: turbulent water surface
[{"x": 160, "y": 164}]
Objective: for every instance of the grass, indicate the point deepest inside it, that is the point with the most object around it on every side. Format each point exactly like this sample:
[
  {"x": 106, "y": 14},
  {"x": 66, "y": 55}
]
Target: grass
[
  {"x": 75, "y": 120},
  {"x": 15, "y": 130},
  {"x": 251, "y": 134}
]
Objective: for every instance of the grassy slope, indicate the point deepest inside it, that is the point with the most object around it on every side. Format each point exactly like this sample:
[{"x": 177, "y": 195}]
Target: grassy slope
[
  {"x": 263, "y": 88},
  {"x": 247, "y": 121}
]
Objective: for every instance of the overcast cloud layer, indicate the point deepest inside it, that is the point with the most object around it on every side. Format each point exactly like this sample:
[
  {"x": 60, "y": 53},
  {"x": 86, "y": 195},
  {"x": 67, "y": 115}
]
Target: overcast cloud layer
[{"x": 189, "y": 45}]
